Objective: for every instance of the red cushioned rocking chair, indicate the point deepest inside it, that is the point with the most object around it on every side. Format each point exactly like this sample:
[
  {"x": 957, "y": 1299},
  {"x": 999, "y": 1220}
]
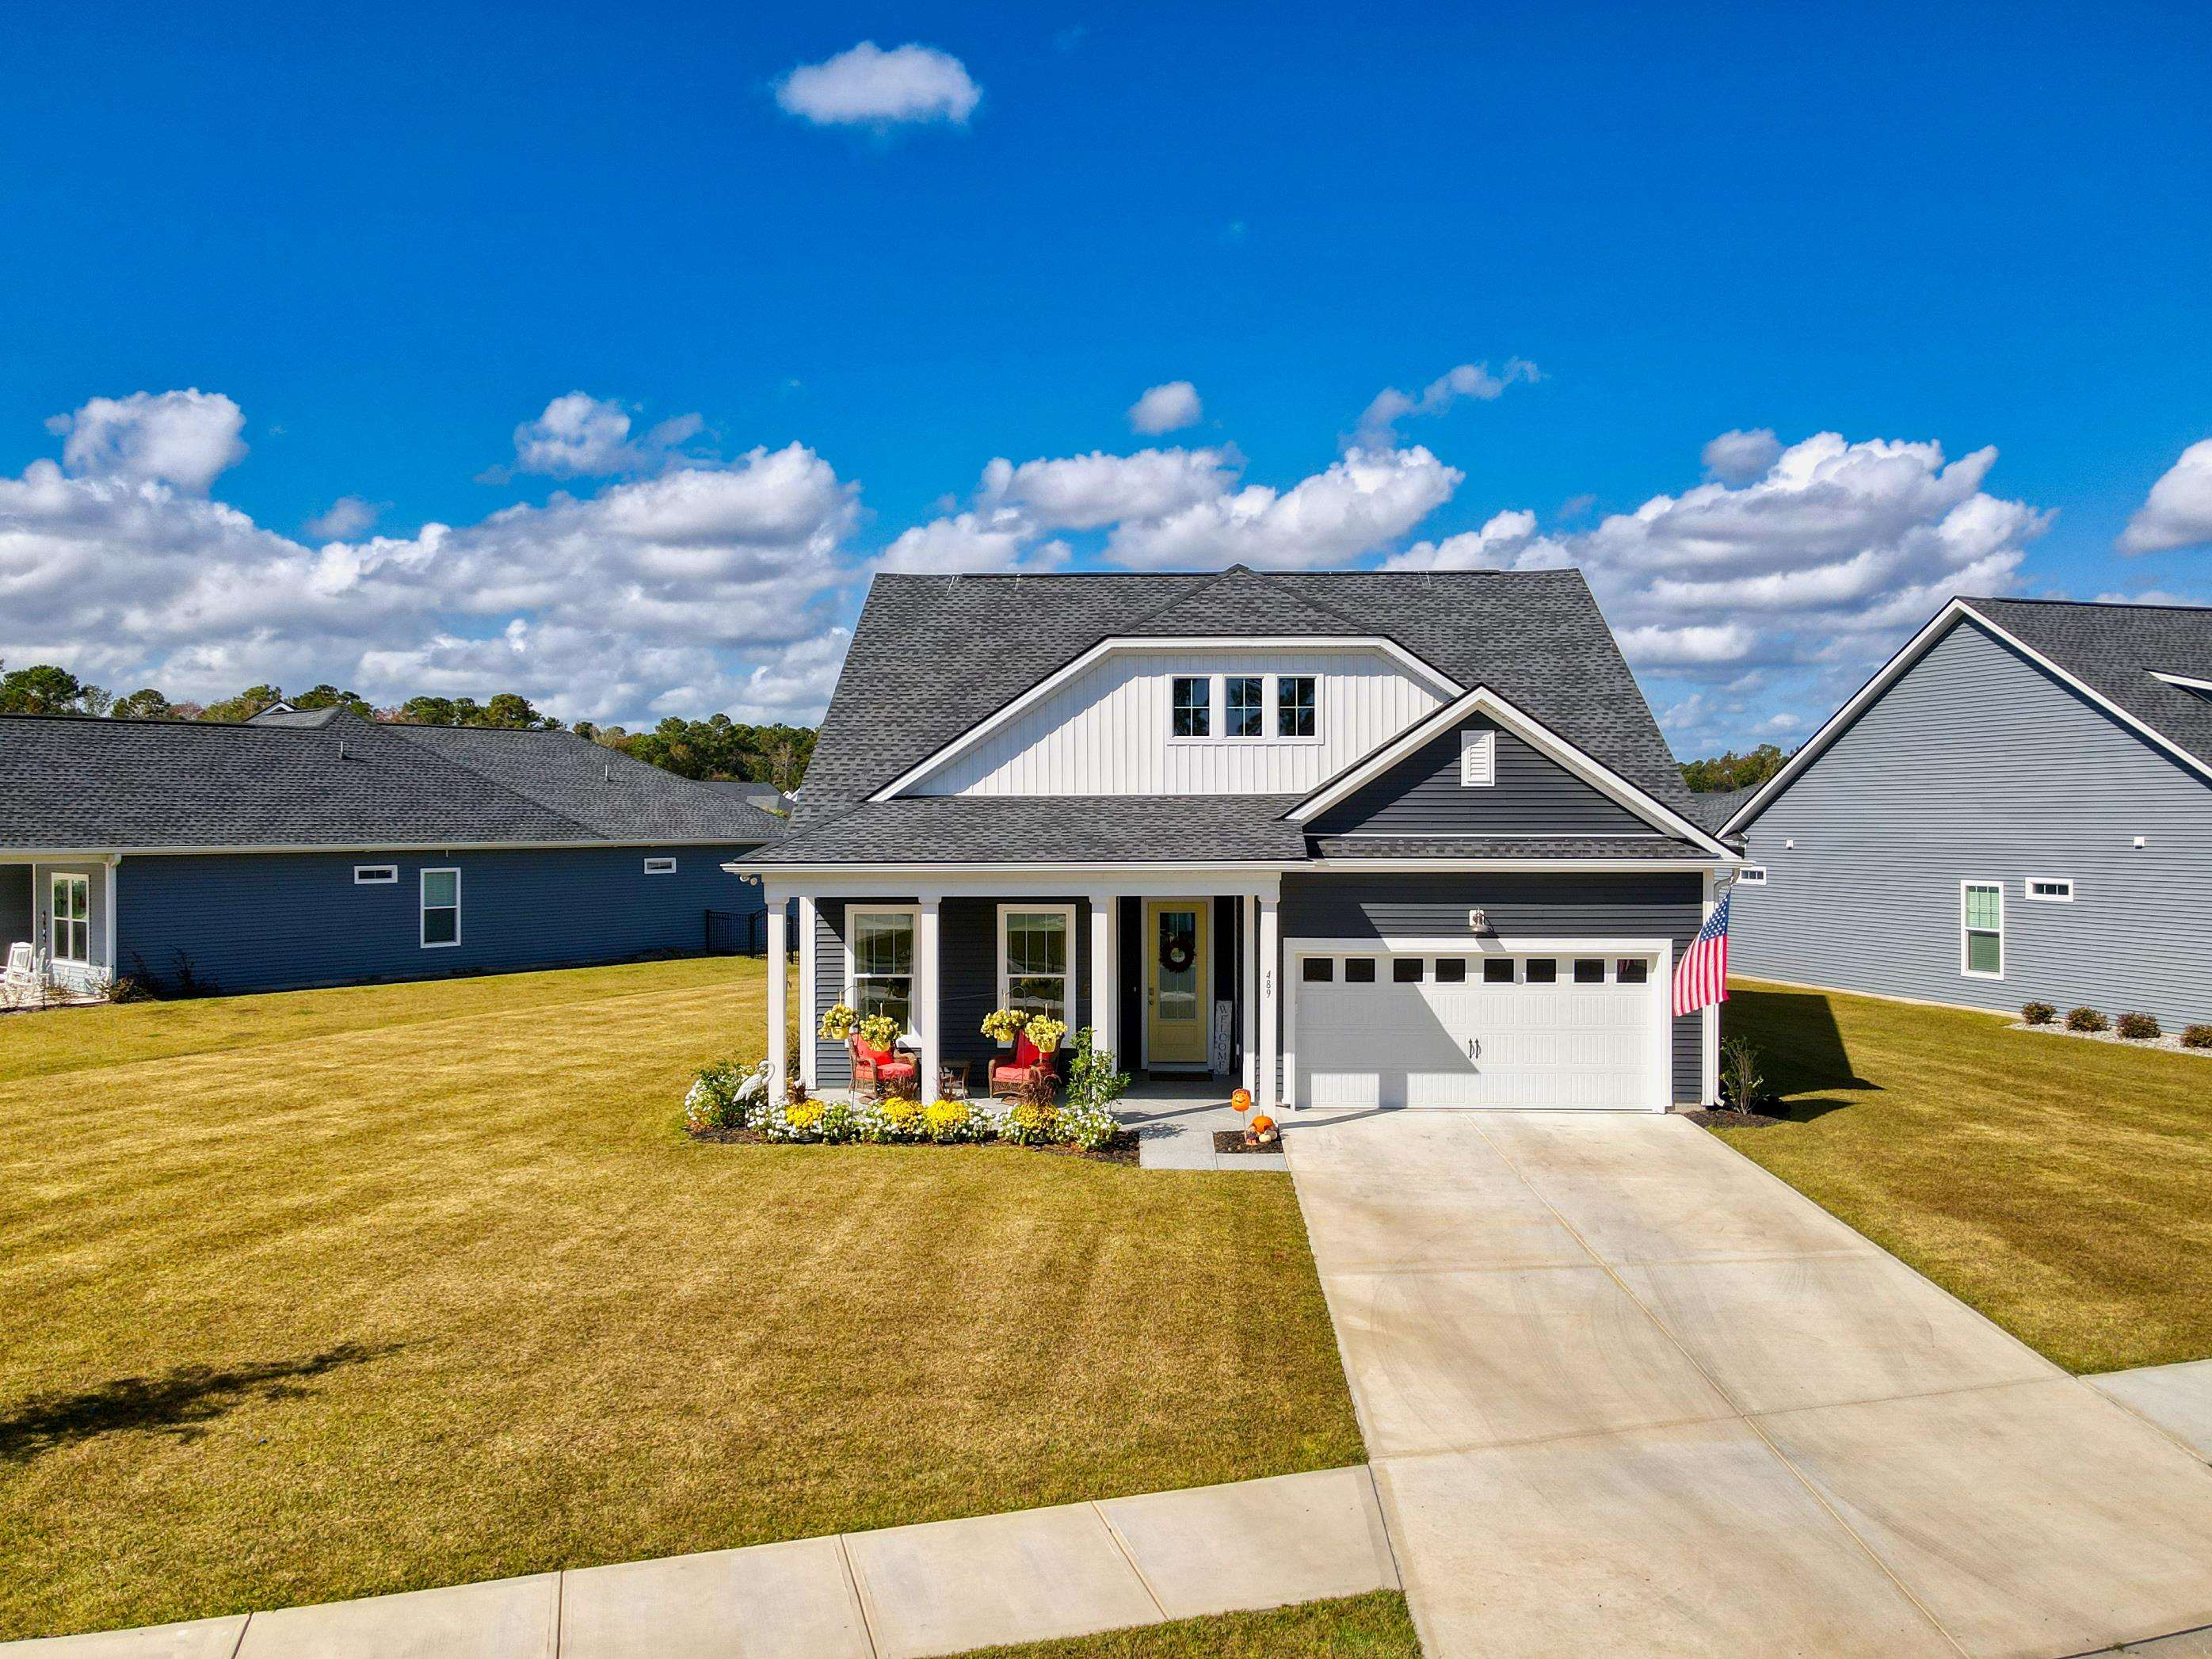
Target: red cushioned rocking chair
[
  {"x": 875, "y": 1070},
  {"x": 1008, "y": 1077}
]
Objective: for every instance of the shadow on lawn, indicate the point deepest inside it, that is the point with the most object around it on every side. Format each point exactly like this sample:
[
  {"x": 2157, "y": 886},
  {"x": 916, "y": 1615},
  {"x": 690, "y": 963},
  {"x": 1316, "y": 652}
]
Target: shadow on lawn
[
  {"x": 176, "y": 1402},
  {"x": 1801, "y": 1048}
]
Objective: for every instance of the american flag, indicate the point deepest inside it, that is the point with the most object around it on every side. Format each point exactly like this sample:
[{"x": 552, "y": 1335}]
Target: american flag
[{"x": 1701, "y": 977}]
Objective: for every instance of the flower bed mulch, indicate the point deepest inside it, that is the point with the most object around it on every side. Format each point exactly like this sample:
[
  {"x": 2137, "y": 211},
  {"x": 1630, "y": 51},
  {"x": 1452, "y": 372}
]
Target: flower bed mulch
[
  {"x": 1723, "y": 1119},
  {"x": 1122, "y": 1149},
  {"x": 2170, "y": 1040},
  {"x": 1232, "y": 1140}
]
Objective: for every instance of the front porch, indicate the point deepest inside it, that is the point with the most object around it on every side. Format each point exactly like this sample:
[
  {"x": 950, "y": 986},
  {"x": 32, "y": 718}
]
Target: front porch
[
  {"x": 56, "y": 928},
  {"x": 1176, "y": 972}
]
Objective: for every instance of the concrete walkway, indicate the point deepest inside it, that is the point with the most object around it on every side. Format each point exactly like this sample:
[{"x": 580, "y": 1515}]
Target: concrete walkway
[
  {"x": 904, "y": 1593},
  {"x": 2177, "y": 1398},
  {"x": 1625, "y": 1393},
  {"x": 1176, "y": 1122}
]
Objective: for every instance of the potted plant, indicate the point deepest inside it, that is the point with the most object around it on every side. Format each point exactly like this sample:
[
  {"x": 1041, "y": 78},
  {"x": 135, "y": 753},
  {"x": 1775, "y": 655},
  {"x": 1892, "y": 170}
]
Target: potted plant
[
  {"x": 1003, "y": 1025},
  {"x": 1045, "y": 1035},
  {"x": 879, "y": 1032},
  {"x": 838, "y": 1023}
]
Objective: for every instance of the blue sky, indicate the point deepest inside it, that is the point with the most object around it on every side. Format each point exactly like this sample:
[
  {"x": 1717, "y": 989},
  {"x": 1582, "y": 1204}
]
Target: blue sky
[{"x": 377, "y": 245}]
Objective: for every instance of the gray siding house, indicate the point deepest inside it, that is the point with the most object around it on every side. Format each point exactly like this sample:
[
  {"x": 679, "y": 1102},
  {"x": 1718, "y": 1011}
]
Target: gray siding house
[
  {"x": 321, "y": 849},
  {"x": 2017, "y": 807},
  {"x": 1365, "y": 838}
]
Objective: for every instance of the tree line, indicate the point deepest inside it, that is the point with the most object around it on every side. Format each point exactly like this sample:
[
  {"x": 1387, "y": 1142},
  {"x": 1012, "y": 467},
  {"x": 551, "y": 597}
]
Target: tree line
[
  {"x": 1734, "y": 771},
  {"x": 718, "y": 747}
]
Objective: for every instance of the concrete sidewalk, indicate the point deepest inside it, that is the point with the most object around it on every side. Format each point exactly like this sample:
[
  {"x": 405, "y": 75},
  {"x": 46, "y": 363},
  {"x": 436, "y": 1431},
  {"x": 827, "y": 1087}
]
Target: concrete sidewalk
[
  {"x": 2177, "y": 1398},
  {"x": 904, "y": 1593}
]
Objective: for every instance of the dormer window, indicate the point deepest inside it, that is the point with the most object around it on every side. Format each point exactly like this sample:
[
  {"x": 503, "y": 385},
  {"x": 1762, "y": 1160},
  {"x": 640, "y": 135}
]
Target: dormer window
[
  {"x": 1298, "y": 705},
  {"x": 1247, "y": 715},
  {"x": 1194, "y": 706}
]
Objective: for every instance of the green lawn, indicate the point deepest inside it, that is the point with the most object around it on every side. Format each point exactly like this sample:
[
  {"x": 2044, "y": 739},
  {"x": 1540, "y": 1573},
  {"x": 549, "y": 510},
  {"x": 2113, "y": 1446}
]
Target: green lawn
[
  {"x": 1374, "y": 1627},
  {"x": 333, "y": 1293},
  {"x": 2057, "y": 1185}
]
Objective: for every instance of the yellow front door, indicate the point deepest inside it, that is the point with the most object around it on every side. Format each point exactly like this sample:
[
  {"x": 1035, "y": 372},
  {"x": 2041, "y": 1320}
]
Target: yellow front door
[{"x": 1178, "y": 973}]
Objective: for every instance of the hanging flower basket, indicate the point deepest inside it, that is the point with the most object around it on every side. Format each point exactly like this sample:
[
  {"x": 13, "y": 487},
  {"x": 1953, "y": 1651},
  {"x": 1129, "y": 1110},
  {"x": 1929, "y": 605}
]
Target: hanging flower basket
[{"x": 1003, "y": 1025}]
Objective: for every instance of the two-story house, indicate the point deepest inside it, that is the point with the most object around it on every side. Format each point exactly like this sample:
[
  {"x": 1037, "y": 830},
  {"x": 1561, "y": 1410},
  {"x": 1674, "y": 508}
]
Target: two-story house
[{"x": 1358, "y": 838}]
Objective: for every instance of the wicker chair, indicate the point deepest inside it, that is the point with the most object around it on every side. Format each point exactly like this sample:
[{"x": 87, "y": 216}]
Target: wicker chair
[
  {"x": 875, "y": 1070},
  {"x": 1009, "y": 1077}
]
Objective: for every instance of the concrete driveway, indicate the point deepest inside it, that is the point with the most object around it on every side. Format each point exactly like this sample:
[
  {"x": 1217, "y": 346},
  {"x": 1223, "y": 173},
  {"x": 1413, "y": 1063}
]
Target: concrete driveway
[{"x": 1625, "y": 1393}]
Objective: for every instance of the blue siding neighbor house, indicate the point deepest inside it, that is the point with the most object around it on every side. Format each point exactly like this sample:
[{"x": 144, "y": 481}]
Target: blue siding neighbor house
[
  {"x": 321, "y": 849},
  {"x": 2017, "y": 808}
]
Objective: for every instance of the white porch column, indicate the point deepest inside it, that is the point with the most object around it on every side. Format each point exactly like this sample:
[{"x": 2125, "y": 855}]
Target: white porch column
[
  {"x": 1105, "y": 971},
  {"x": 1709, "y": 1021},
  {"x": 778, "y": 976},
  {"x": 1248, "y": 946},
  {"x": 1269, "y": 1094},
  {"x": 809, "y": 1015},
  {"x": 107, "y": 911},
  {"x": 926, "y": 1021}
]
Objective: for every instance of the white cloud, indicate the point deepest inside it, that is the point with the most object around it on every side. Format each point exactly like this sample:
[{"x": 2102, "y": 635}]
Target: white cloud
[
  {"x": 1494, "y": 547},
  {"x": 1084, "y": 492},
  {"x": 1378, "y": 424},
  {"x": 2178, "y": 511},
  {"x": 347, "y": 517},
  {"x": 179, "y": 437},
  {"x": 1363, "y": 501},
  {"x": 870, "y": 87},
  {"x": 1166, "y": 408},
  {"x": 1739, "y": 457},
  {"x": 581, "y": 436}
]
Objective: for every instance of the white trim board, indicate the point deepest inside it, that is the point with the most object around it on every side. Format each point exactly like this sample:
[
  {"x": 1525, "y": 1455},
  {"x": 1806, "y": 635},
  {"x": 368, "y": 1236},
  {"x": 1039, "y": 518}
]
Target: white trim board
[
  {"x": 1954, "y": 611},
  {"x": 1538, "y": 736},
  {"x": 1072, "y": 1011},
  {"x": 1129, "y": 644}
]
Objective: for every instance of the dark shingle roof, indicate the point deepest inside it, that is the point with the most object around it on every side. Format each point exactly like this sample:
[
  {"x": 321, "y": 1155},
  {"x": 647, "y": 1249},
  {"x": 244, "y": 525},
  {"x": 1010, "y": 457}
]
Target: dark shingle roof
[
  {"x": 1081, "y": 828},
  {"x": 2118, "y": 650},
  {"x": 933, "y": 655},
  {"x": 1506, "y": 846},
  {"x": 1711, "y": 808},
  {"x": 766, "y": 796},
  {"x": 341, "y": 782}
]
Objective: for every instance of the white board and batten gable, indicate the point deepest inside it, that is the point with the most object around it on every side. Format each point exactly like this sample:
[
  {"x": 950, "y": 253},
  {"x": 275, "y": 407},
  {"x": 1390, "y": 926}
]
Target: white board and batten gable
[{"x": 1105, "y": 725}]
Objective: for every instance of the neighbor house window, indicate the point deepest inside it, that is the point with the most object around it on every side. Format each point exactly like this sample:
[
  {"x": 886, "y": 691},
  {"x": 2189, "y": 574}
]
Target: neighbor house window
[
  {"x": 1298, "y": 705},
  {"x": 1036, "y": 959},
  {"x": 1981, "y": 929},
  {"x": 1751, "y": 875},
  {"x": 660, "y": 867},
  {"x": 1194, "y": 706},
  {"x": 375, "y": 875},
  {"x": 71, "y": 919},
  {"x": 1478, "y": 759},
  {"x": 2051, "y": 889},
  {"x": 441, "y": 907},
  {"x": 1246, "y": 715},
  {"x": 882, "y": 952}
]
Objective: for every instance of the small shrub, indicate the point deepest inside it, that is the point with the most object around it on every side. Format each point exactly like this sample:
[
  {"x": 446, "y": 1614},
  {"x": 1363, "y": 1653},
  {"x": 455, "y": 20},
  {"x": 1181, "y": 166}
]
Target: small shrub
[
  {"x": 1092, "y": 1082},
  {"x": 948, "y": 1123},
  {"x": 711, "y": 1102},
  {"x": 893, "y": 1120},
  {"x": 2137, "y": 1027},
  {"x": 126, "y": 988},
  {"x": 1029, "y": 1122},
  {"x": 2086, "y": 1019},
  {"x": 810, "y": 1120},
  {"x": 2038, "y": 1013},
  {"x": 2197, "y": 1036},
  {"x": 1087, "y": 1126},
  {"x": 1739, "y": 1079}
]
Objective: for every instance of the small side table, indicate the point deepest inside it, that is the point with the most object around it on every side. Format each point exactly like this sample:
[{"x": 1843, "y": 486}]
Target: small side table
[{"x": 952, "y": 1080}]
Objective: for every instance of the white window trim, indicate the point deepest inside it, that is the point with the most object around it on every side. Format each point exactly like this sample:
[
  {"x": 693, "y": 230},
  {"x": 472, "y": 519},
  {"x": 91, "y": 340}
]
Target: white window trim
[
  {"x": 375, "y": 875},
  {"x": 1275, "y": 733},
  {"x": 660, "y": 867},
  {"x": 422, "y": 909},
  {"x": 853, "y": 914},
  {"x": 1005, "y": 978},
  {"x": 2027, "y": 888},
  {"x": 1478, "y": 759},
  {"x": 1972, "y": 973},
  {"x": 1271, "y": 695},
  {"x": 1213, "y": 696},
  {"x": 56, "y": 925},
  {"x": 1751, "y": 875}
]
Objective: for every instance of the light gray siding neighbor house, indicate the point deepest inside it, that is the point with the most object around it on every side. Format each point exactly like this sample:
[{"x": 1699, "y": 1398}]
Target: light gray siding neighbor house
[
  {"x": 2017, "y": 807},
  {"x": 1347, "y": 839}
]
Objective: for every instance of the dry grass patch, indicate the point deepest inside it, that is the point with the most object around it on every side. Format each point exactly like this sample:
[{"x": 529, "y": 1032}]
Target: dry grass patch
[
  {"x": 1372, "y": 1627},
  {"x": 367, "y": 1296},
  {"x": 2058, "y": 1186}
]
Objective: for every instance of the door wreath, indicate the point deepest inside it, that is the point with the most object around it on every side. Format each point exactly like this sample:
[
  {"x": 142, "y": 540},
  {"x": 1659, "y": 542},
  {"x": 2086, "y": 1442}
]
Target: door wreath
[{"x": 1177, "y": 955}]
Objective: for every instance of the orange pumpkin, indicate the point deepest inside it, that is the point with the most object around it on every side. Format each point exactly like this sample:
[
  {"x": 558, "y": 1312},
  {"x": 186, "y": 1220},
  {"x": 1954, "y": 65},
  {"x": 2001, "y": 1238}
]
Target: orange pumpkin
[
  {"x": 1241, "y": 1102},
  {"x": 1262, "y": 1124}
]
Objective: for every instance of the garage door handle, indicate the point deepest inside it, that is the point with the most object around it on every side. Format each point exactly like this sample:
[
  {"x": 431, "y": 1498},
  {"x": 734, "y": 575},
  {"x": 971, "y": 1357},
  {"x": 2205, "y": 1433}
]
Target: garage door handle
[{"x": 1473, "y": 1050}]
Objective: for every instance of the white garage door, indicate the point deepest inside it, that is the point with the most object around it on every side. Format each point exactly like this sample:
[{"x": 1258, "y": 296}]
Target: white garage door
[{"x": 1495, "y": 1030}]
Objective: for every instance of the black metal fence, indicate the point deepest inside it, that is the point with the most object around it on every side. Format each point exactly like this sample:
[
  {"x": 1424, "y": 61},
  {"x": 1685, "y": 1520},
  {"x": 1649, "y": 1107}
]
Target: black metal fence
[{"x": 745, "y": 934}]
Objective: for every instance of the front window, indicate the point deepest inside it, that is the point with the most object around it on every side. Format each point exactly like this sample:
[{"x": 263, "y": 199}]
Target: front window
[
  {"x": 1298, "y": 705},
  {"x": 71, "y": 915},
  {"x": 1033, "y": 960},
  {"x": 1247, "y": 718},
  {"x": 441, "y": 907},
  {"x": 1194, "y": 706},
  {"x": 882, "y": 964},
  {"x": 1981, "y": 947}
]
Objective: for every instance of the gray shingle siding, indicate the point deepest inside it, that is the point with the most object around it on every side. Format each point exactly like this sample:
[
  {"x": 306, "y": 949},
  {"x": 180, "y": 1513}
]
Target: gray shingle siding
[
  {"x": 1422, "y": 795},
  {"x": 1975, "y": 765},
  {"x": 272, "y": 921},
  {"x": 1526, "y": 905}
]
